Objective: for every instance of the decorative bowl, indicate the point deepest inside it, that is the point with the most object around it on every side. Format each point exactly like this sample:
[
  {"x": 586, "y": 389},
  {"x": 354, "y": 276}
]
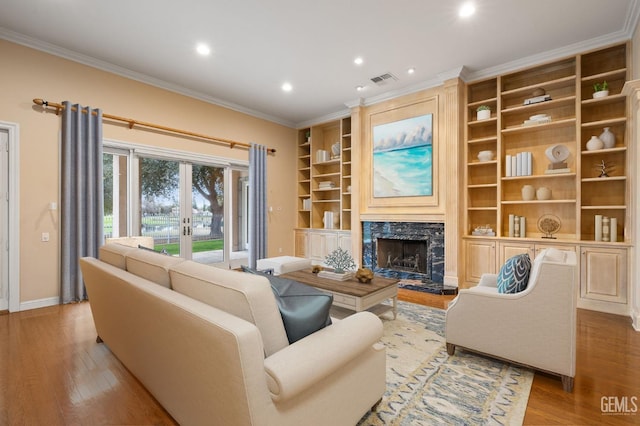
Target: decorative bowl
[{"x": 485, "y": 156}]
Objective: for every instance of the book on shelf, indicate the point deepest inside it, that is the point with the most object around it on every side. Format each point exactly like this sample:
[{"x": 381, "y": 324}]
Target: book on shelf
[
  {"x": 519, "y": 164},
  {"x": 537, "y": 99},
  {"x": 557, "y": 171}
]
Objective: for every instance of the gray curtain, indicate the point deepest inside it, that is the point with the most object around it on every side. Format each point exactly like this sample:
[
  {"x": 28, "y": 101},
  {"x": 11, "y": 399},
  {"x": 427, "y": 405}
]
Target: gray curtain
[
  {"x": 81, "y": 204},
  {"x": 257, "y": 203}
]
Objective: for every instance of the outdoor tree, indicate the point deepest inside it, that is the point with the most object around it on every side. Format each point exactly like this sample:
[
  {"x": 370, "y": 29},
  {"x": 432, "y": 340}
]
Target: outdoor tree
[{"x": 209, "y": 182}]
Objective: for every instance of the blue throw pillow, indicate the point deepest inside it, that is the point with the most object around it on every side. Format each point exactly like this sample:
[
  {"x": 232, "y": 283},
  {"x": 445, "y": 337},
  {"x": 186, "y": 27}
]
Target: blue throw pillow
[
  {"x": 304, "y": 309},
  {"x": 514, "y": 274}
]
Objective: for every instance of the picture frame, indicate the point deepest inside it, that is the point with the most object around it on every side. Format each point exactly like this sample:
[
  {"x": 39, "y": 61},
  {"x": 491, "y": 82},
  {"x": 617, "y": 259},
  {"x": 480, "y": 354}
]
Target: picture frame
[{"x": 386, "y": 202}]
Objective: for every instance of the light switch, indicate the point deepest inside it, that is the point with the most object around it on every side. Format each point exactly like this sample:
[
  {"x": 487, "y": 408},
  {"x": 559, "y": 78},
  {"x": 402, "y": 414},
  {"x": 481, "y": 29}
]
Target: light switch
[{"x": 45, "y": 237}]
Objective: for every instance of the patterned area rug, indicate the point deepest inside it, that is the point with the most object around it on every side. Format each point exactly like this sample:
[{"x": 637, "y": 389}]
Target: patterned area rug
[{"x": 425, "y": 386}]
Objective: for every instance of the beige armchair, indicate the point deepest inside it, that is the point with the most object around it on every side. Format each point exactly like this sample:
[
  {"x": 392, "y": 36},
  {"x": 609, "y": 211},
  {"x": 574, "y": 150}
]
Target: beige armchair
[{"x": 535, "y": 327}]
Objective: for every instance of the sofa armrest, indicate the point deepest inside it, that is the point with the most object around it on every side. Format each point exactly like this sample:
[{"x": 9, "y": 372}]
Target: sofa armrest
[{"x": 304, "y": 363}]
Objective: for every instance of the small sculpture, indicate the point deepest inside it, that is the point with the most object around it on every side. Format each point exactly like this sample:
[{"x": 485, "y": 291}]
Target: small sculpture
[
  {"x": 549, "y": 224},
  {"x": 364, "y": 275},
  {"x": 316, "y": 268},
  {"x": 604, "y": 167},
  {"x": 340, "y": 260}
]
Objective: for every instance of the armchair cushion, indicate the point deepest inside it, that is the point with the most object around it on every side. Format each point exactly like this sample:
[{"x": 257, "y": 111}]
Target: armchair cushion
[{"x": 514, "y": 274}]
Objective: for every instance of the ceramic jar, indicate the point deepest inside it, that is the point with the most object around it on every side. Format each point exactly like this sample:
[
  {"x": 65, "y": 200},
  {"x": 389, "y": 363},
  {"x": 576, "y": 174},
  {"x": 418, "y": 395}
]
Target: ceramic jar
[
  {"x": 608, "y": 138},
  {"x": 543, "y": 193},
  {"x": 594, "y": 144},
  {"x": 528, "y": 192}
]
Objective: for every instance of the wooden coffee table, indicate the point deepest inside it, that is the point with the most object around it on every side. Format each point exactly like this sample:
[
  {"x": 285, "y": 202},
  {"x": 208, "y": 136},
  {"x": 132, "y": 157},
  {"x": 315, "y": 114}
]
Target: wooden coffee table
[{"x": 352, "y": 294}]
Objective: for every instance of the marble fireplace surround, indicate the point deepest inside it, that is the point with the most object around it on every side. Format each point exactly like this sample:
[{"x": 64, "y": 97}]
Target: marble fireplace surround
[{"x": 430, "y": 232}]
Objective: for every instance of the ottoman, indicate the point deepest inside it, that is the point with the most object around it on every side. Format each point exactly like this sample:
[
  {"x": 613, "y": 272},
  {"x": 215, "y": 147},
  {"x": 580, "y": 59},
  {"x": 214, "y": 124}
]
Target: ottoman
[{"x": 283, "y": 264}]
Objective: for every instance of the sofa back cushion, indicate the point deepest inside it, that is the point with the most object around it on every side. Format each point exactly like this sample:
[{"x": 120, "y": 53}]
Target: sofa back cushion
[
  {"x": 244, "y": 295},
  {"x": 151, "y": 265},
  {"x": 115, "y": 254}
]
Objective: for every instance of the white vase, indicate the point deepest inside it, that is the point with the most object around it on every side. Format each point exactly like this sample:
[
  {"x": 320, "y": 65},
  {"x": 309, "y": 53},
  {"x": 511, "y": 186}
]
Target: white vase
[
  {"x": 594, "y": 144},
  {"x": 543, "y": 193},
  {"x": 528, "y": 192},
  {"x": 608, "y": 138}
]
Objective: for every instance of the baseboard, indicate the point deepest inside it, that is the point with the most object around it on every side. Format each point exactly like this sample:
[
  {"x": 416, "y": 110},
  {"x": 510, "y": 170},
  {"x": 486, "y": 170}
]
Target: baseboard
[
  {"x": 635, "y": 319},
  {"x": 40, "y": 303}
]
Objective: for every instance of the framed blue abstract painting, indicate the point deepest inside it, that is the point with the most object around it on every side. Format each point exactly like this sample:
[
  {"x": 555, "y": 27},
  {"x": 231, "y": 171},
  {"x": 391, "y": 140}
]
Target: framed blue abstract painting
[{"x": 403, "y": 158}]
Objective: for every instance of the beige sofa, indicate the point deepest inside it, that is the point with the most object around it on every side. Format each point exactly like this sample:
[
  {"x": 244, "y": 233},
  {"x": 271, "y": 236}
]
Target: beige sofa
[
  {"x": 535, "y": 327},
  {"x": 210, "y": 345}
]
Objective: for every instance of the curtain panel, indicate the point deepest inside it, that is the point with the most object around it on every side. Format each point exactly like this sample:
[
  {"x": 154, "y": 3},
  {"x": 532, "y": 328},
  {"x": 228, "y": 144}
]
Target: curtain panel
[
  {"x": 81, "y": 204},
  {"x": 257, "y": 203}
]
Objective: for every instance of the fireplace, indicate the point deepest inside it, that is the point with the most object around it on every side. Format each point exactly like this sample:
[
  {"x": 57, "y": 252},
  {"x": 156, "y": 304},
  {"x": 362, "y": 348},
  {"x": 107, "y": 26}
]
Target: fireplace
[
  {"x": 403, "y": 255},
  {"x": 405, "y": 250}
]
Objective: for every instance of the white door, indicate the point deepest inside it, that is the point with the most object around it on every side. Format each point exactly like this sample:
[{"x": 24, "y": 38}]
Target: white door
[{"x": 4, "y": 220}]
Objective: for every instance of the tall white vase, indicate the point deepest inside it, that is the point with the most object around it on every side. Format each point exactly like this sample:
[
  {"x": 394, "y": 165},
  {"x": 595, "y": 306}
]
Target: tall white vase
[{"x": 608, "y": 138}]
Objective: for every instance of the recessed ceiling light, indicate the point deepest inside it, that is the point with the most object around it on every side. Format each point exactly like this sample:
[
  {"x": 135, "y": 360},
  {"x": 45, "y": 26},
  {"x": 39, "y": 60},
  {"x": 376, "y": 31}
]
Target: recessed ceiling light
[
  {"x": 358, "y": 61},
  {"x": 411, "y": 70},
  {"x": 360, "y": 88},
  {"x": 466, "y": 10},
  {"x": 203, "y": 49},
  {"x": 287, "y": 87}
]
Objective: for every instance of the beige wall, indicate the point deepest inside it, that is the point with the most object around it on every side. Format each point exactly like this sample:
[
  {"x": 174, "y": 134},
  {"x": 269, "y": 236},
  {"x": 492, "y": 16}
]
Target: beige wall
[{"x": 27, "y": 74}]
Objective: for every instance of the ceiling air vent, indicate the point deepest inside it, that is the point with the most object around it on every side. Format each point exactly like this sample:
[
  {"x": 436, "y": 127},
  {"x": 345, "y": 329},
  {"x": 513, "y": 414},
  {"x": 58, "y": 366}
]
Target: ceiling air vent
[{"x": 384, "y": 78}]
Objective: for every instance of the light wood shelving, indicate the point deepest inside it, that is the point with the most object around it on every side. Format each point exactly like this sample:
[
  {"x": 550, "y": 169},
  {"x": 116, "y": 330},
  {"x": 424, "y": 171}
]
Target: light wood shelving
[
  {"x": 576, "y": 196},
  {"x": 324, "y": 185}
]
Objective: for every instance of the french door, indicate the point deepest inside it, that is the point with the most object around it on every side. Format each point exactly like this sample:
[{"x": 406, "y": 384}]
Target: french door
[{"x": 192, "y": 209}]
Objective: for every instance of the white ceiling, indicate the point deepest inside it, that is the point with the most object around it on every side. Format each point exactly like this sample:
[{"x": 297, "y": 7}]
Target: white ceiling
[{"x": 258, "y": 45}]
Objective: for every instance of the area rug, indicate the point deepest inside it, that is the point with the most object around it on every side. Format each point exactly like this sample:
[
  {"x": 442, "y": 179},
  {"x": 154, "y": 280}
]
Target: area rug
[{"x": 425, "y": 386}]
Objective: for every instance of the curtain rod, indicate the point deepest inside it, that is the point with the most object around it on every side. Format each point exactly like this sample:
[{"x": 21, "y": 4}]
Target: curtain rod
[{"x": 131, "y": 123}]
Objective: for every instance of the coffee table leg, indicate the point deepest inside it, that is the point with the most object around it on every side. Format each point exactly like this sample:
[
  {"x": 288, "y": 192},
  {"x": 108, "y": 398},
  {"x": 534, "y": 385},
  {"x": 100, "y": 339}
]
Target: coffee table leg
[{"x": 395, "y": 307}]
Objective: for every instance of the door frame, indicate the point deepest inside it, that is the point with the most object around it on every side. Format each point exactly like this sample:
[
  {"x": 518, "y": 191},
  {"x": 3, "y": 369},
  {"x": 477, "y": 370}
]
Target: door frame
[
  {"x": 137, "y": 150},
  {"x": 13, "y": 237}
]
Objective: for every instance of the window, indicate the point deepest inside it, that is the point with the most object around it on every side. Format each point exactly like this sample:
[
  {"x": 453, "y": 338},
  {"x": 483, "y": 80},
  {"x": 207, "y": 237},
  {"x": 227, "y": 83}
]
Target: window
[{"x": 193, "y": 206}]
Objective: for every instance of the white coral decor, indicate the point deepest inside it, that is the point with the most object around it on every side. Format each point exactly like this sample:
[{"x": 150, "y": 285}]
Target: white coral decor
[{"x": 340, "y": 260}]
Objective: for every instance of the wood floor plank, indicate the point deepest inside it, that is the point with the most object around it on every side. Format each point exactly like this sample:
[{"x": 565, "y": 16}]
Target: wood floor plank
[{"x": 53, "y": 372}]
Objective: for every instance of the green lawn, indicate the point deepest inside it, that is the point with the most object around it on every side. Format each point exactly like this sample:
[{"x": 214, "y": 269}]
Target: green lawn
[{"x": 198, "y": 246}]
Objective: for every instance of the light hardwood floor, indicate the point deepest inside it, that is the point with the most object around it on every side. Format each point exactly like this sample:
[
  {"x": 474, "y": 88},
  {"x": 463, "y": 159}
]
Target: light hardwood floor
[{"x": 53, "y": 372}]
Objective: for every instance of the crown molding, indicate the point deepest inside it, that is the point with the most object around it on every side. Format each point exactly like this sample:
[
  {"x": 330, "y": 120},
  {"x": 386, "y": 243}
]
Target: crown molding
[
  {"x": 55, "y": 50},
  {"x": 354, "y": 103},
  {"x": 549, "y": 56},
  {"x": 343, "y": 113}
]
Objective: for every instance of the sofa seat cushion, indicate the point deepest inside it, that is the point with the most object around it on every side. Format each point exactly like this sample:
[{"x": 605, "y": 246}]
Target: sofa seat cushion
[
  {"x": 514, "y": 274},
  {"x": 304, "y": 309}
]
